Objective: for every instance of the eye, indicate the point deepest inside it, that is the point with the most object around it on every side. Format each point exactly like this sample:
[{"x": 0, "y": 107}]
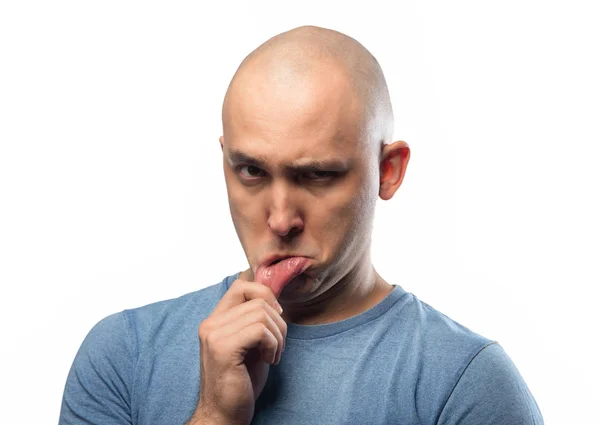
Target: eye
[
  {"x": 250, "y": 172},
  {"x": 320, "y": 175}
]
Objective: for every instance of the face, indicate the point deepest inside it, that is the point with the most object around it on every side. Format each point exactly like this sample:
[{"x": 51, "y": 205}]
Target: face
[{"x": 300, "y": 176}]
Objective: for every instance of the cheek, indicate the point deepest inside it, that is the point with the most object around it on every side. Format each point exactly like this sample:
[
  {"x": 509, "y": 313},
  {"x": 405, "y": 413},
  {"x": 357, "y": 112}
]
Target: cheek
[
  {"x": 243, "y": 212},
  {"x": 347, "y": 217}
]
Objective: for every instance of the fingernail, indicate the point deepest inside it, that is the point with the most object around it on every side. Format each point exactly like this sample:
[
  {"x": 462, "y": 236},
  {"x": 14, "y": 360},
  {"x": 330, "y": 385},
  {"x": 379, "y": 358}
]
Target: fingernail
[{"x": 279, "y": 308}]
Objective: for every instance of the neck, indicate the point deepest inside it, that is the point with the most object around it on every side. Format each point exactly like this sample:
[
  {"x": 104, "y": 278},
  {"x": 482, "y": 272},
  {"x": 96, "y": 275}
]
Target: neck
[
  {"x": 333, "y": 298},
  {"x": 338, "y": 299}
]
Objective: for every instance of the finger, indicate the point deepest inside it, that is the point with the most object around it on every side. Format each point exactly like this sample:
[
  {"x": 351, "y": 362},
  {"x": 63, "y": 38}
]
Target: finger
[
  {"x": 225, "y": 331},
  {"x": 242, "y": 291},
  {"x": 243, "y": 310},
  {"x": 257, "y": 335}
]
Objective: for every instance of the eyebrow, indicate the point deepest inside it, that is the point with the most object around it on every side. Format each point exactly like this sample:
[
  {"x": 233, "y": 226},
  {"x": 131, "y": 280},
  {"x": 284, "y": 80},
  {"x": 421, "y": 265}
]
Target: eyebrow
[{"x": 300, "y": 166}]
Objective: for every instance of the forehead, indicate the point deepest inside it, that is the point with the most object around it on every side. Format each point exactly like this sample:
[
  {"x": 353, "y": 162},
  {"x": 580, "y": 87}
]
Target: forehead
[{"x": 290, "y": 117}]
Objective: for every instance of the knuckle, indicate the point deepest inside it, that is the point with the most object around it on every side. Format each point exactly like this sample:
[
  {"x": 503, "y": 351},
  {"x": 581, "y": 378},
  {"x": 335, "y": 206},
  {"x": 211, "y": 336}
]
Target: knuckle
[
  {"x": 204, "y": 328},
  {"x": 261, "y": 329},
  {"x": 210, "y": 340},
  {"x": 263, "y": 303},
  {"x": 267, "y": 293},
  {"x": 264, "y": 317},
  {"x": 259, "y": 303},
  {"x": 237, "y": 284}
]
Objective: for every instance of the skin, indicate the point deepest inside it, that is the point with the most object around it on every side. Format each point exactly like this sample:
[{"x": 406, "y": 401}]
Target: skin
[
  {"x": 303, "y": 96},
  {"x": 287, "y": 112}
]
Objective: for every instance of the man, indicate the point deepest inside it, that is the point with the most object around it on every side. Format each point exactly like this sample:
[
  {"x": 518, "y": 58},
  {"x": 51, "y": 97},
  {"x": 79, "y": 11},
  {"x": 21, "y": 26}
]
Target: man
[{"x": 310, "y": 333}]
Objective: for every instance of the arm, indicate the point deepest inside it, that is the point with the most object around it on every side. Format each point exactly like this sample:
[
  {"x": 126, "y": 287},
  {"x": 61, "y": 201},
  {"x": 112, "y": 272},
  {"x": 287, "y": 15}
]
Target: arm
[
  {"x": 98, "y": 388},
  {"x": 491, "y": 392}
]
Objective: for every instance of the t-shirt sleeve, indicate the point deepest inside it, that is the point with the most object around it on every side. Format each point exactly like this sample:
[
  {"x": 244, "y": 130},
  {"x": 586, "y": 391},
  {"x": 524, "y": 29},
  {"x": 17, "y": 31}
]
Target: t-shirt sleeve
[
  {"x": 98, "y": 388},
  {"x": 491, "y": 391}
]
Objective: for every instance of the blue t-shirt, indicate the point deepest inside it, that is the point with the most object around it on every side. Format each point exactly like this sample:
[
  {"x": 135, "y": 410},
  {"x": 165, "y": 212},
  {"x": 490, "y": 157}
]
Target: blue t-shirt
[{"x": 400, "y": 362}]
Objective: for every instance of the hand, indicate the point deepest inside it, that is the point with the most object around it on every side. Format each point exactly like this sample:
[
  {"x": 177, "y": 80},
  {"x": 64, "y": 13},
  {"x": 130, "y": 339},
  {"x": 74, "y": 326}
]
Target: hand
[{"x": 241, "y": 337}]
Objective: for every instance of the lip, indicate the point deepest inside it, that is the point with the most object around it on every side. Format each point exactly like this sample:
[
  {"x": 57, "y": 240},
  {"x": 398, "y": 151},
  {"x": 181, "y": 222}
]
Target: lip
[
  {"x": 272, "y": 258},
  {"x": 268, "y": 261}
]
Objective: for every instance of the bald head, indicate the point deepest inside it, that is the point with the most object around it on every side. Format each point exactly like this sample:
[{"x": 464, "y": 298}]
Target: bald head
[
  {"x": 307, "y": 126},
  {"x": 310, "y": 65}
]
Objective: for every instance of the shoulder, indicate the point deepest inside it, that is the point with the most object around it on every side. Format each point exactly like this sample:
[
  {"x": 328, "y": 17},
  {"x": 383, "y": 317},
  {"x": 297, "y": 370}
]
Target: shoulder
[
  {"x": 491, "y": 391},
  {"x": 122, "y": 333},
  {"x": 110, "y": 337},
  {"x": 100, "y": 384},
  {"x": 468, "y": 377},
  {"x": 102, "y": 368},
  {"x": 200, "y": 302},
  {"x": 153, "y": 323},
  {"x": 441, "y": 339}
]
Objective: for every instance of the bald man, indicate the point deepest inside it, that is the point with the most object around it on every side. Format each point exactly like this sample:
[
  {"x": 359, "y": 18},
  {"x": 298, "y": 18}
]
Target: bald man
[{"x": 310, "y": 333}]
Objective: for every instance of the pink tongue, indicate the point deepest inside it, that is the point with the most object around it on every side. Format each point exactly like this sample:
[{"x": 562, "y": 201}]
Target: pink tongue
[{"x": 280, "y": 274}]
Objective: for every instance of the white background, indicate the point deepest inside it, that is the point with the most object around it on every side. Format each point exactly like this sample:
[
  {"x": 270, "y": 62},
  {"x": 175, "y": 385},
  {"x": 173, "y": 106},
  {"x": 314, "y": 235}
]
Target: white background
[{"x": 112, "y": 193}]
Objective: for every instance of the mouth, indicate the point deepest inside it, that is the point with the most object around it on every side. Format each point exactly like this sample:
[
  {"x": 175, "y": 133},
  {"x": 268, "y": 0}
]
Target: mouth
[
  {"x": 278, "y": 270},
  {"x": 278, "y": 260},
  {"x": 272, "y": 260}
]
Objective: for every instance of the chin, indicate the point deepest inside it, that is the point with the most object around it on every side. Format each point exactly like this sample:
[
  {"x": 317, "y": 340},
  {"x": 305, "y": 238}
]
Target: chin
[
  {"x": 302, "y": 288},
  {"x": 299, "y": 284}
]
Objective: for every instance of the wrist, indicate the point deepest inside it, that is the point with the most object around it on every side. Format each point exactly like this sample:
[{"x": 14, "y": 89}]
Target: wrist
[{"x": 204, "y": 416}]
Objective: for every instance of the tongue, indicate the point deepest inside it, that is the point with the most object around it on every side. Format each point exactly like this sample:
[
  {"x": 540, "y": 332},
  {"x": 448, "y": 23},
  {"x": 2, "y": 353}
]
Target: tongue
[{"x": 280, "y": 274}]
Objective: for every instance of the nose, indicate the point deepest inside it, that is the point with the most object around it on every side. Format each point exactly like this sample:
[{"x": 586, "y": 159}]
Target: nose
[{"x": 285, "y": 218}]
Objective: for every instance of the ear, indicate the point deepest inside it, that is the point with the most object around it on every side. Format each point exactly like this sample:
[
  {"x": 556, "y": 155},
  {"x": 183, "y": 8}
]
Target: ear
[
  {"x": 394, "y": 160},
  {"x": 221, "y": 142}
]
